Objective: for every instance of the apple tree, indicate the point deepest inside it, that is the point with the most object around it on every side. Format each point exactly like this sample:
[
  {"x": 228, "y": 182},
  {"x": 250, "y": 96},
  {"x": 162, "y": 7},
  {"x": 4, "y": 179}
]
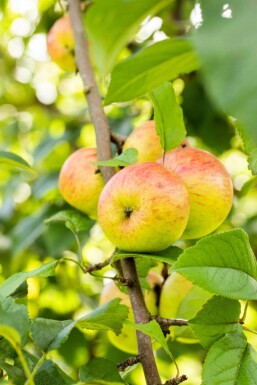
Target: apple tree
[{"x": 128, "y": 192}]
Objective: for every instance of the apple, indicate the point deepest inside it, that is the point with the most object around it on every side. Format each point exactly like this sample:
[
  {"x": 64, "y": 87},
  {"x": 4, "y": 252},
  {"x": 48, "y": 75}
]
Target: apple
[
  {"x": 60, "y": 44},
  {"x": 80, "y": 183},
  {"x": 209, "y": 186},
  {"x": 145, "y": 139},
  {"x": 181, "y": 299},
  {"x": 143, "y": 208},
  {"x": 126, "y": 340}
]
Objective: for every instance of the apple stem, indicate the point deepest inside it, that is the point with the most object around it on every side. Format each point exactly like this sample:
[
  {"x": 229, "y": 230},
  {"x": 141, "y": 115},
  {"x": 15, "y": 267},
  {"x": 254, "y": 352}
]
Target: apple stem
[{"x": 103, "y": 139}]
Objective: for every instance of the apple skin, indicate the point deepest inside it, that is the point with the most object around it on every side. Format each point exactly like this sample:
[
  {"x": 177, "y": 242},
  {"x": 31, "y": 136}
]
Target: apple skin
[
  {"x": 145, "y": 139},
  {"x": 209, "y": 186},
  {"x": 181, "y": 299},
  {"x": 79, "y": 184},
  {"x": 60, "y": 44},
  {"x": 126, "y": 340},
  {"x": 143, "y": 208}
]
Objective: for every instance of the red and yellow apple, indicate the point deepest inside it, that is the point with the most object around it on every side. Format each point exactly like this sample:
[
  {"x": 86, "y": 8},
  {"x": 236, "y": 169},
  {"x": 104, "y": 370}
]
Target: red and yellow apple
[
  {"x": 181, "y": 299},
  {"x": 79, "y": 182},
  {"x": 209, "y": 186},
  {"x": 60, "y": 44},
  {"x": 146, "y": 141},
  {"x": 126, "y": 340},
  {"x": 144, "y": 208}
]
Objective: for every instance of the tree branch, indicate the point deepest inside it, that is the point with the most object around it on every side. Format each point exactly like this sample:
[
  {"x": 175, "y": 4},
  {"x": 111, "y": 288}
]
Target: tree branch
[
  {"x": 96, "y": 111},
  {"x": 102, "y": 131},
  {"x": 141, "y": 316}
]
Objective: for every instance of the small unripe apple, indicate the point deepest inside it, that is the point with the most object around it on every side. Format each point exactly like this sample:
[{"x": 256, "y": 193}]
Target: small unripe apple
[
  {"x": 60, "y": 44},
  {"x": 80, "y": 183},
  {"x": 145, "y": 140},
  {"x": 143, "y": 208},
  {"x": 181, "y": 299},
  {"x": 126, "y": 340},
  {"x": 209, "y": 186}
]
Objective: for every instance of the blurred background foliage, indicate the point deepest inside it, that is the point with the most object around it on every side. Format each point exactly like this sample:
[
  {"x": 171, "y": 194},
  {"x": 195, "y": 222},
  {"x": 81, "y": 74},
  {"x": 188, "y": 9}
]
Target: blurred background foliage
[{"x": 44, "y": 118}]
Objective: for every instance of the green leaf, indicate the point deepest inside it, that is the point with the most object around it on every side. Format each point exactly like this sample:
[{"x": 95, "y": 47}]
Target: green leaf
[
  {"x": 112, "y": 24},
  {"x": 128, "y": 157},
  {"x": 222, "y": 264},
  {"x": 100, "y": 371},
  {"x": 168, "y": 116},
  {"x": 73, "y": 220},
  {"x": 153, "y": 330},
  {"x": 45, "y": 330},
  {"x": 15, "y": 161},
  {"x": 110, "y": 316},
  {"x": 16, "y": 316},
  {"x": 169, "y": 255},
  {"x": 12, "y": 283},
  {"x": 221, "y": 66},
  {"x": 152, "y": 66},
  {"x": 230, "y": 361},
  {"x": 218, "y": 316},
  {"x": 50, "y": 374}
]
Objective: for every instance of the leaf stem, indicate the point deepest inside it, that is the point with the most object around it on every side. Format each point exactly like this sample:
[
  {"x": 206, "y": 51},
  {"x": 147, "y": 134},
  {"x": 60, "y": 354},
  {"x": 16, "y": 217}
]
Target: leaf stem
[{"x": 25, "y": 367}]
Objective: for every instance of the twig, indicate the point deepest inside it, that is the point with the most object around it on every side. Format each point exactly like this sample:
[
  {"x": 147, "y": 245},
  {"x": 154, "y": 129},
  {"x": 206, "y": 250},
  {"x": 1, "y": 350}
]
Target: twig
[
  {"x": 242, "y": 319},
  {"x": 102, "y": 132},
  {"x": 176, "y": 380},
  {"x": 118, "y": 140},
  {"x": 122, "y": 366},
  {"x": 97, "y": 266},
  {"x": 170, "y": 321},
  {"x": 249, "y": 330}
]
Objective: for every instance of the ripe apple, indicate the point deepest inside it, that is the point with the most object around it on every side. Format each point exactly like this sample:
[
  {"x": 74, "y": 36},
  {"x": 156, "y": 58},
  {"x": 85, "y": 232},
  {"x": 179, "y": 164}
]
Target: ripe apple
[
  {"x": 79, "y": 182},
  {"x": 145, "y": 139},
  {"x": 126, "y": 340},
  {"x": 181, "y": 299},
  {"x": 60, "y": 44},
  {"x": 209, "y": 186},
  {"x": 143, "y": 208}
]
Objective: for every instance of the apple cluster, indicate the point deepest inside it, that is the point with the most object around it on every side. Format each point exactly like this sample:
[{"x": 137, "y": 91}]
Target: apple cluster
[{"x": 148, "y": 206}]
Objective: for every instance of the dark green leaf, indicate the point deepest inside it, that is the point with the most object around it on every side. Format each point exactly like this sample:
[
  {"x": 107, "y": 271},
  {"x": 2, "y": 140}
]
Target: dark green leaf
[
  {"x": 15, "y": 373},
  {"x": 230, "y": 361},
  {"x": 45, "y": 330},
  {"x": 128, "y": 157},
  {"x": 16, "y": 316},
  {"x": 222, "y": 264},
  {"x": 230, "y": 75},
  {"x": 100, "y": 371},
  {"x": 169, "y": 255},
  {"x": 51, "y": 374},
  {"x": 218, "y": 316},
  {"x": 73, "y": 220},
  {"x": 112, "y": 24},
  {"x": 11, "y": 284},
  {"x": 13, "y": 160},
  {"x": 168, "y": 116},
  {"x": 151, "y": 67}
]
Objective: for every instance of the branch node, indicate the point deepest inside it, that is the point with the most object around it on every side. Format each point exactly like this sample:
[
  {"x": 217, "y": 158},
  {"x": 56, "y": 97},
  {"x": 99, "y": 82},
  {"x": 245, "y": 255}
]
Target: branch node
[
  {"x": 126, "y": 282},
  {"x": 122, "y": 366}
]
